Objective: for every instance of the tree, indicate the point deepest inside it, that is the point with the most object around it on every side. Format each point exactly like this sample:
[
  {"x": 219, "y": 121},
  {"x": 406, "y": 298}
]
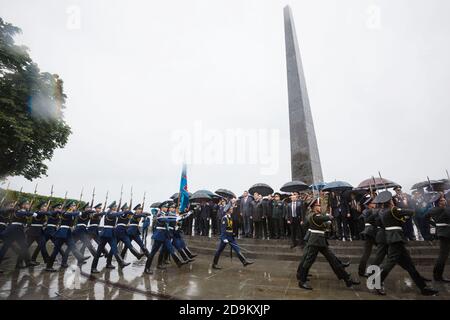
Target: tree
[{"x": 31, "y": 104}]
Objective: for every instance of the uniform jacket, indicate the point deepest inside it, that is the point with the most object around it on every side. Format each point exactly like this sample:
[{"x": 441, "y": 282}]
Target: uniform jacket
[
  {"x": 369, "y": 218},
  {"x": 391, "y": 218},
  {"x": 317, "y": 223},
  {"x": 65, "y": 228},
  {"x": 441, "y": 218}
]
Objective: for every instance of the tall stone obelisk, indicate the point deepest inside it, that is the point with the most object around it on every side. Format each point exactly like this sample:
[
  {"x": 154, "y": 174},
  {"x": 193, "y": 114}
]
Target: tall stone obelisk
[{"x": 305, "y": 160}]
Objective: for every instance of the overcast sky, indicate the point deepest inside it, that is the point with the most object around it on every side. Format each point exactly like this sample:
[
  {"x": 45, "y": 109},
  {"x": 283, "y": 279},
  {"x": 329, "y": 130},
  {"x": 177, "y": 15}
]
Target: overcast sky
[{"x": 140, "y": 75}]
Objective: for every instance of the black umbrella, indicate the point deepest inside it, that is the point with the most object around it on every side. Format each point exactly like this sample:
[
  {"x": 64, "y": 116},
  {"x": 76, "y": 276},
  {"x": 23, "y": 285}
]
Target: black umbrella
[
  {"x": 358, "y": 192},
  {"x": 377, "y": 183},
  {"x": 225, "y": 193},
  {"x": 200, "y": 196},
  {"x": 294, "y": 186},
  {"x": 337, "y": 186},
  {"x": 261, "y": 188},
  {"x": 176, "y": 195},
  {"x": 432, "y": 185}
]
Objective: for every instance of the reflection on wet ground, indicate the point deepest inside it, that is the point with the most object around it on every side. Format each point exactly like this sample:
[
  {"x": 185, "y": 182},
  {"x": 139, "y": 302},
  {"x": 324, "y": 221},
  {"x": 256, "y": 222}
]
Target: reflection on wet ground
[{"x": 266, "y": 279}]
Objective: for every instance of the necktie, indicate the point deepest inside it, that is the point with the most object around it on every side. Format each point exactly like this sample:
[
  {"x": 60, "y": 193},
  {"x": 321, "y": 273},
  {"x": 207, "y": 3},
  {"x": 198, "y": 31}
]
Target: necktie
[{"x": 294, "y": 212}]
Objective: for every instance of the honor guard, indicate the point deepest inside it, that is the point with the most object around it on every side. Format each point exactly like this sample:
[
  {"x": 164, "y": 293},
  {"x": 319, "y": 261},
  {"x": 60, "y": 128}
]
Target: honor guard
[
  {"x": 161, "y": 238},
  {"x": 393, "y": 219},
  {"x": 92, "y": 230},
  {"x": 370, "y": 232},
  {"x": 81, "y": 233},
  {"x": 107, "y": 237},
  {"x": 227, "y": 237},
  {"x": 133, "y": 230},
  {"x": 64, "y": 236},
  {"x": 178, "y": 241},
  {"x": 317, "y": 242},
  {"x": 120, "y": 231},
  {"x": 5, "y": 215},
  {"x": 35, "y": 232},
  {"x": 440, "y": 216},
  {"x": 14, "y": 233}
]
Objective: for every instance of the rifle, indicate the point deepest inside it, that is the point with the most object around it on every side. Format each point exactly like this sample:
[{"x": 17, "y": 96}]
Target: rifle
[
  {"x": 144, "y": 232},
  {"x": 6, "y": 193},
  {"x": 50, "y": 199},
  {"x": 379, "y": 174},
  {"x": 106, "y": 200},
  {"x": 65, "y": 200},
  {"x": 131, "y": 198},
  {"x": 446, "y": 171},
  {"x": 81, "y": 197},
  {"x": 374, "y": 183},
  {"x": 34, "y": 196},
  {"x": 93, "y": 196},
  {"x": 120, "y": 200},
  {"x": 143, "y": 201}
]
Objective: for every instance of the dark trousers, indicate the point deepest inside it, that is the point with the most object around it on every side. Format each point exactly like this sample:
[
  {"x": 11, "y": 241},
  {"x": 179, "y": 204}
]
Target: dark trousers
[
  {"x": 380, "y": 254},
  {"x": 423, "y": 224},
  {"x": 444, "y": 249},
  {"x": 277, "y": 225},
  {"x": 342, "y": 227},
  {"x": 248, "y": 225},
  {"x": 40, "y": 241},
  {"x": 85, "y": 239},
  {"x": 310, "y": 255},
  {"x": 408, "y": 229},
  {"x": 70, "y": 248},
  {"x": 125, "y": 239},
  {"x": 265, "y": 227},
  {"x": 204, "y": 223},
  {"x": 368, "y": 245},
  {"x": 398, "y": 254},
  {"x": 222, "y": 246},
  {"x": 236, "y": 227},
  {"x": 296, "y": 231},
  {"x": 17, "y": 236},
  {"x": 258, "y": 226},
  {"x": 47, "y": 236},
  {"x": 214, "y": 224}
]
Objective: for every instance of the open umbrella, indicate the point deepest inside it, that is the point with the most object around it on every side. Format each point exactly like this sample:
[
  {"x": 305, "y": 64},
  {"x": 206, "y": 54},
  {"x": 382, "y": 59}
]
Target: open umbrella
[
  {"x": 337, "y": 186},
  {"x": 199, "y": 196},
  {"x": 261, "y": 188},
  {"x": 432, "y": 185},
  {"x": 377, "y": 183},
  {"x": 175, "y": 196},
  {"x": 294, "y": 186},
  {"x": 225, "y": 193}
]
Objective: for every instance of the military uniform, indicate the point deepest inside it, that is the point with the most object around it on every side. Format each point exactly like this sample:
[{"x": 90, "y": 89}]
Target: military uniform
[
  {"x": 441, "y": 218},
  {"x": 64, "y": 236},
  {"x": 107, "y": 236},
  {"x": 317, "y": 242},
  {"x": 133, "y": 232},
  {"x": 227, "y": 237},
  {"x": 277, "y": 219},
  {"x": 121, "y": 232},
  {"x": 369, "y": 232},
  {"x": 393, "y": 219},
  {"x": 178, "y": 241},
  {"x": 81, "y": 232},
  {"x": 35, "y": 232},
  {"x": 14, "y": 232},
  {"x": 161, "y": 238}
]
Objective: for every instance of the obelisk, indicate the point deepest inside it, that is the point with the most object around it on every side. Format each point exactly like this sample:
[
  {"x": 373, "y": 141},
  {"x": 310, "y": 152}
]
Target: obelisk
[{"x": 305, "y": 160}]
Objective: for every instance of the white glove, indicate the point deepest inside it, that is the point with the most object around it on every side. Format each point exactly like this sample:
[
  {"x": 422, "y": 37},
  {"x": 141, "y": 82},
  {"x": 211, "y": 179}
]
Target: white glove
[{"x": 225, "y": 240}]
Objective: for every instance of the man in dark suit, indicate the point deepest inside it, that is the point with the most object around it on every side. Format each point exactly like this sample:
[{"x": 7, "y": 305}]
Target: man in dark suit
[
  {"x": 257, "y": 215},
  {"x": 246, "y": 212},
  {"x": 294, "y": 215},
  {"x": 205, "y": 214}
]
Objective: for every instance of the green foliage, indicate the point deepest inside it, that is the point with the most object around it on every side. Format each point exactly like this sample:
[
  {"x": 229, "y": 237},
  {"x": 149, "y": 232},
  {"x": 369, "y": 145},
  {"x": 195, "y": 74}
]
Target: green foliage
[
  {"x": 13, "y": 196},
  {"x": 31, "y": 103}
]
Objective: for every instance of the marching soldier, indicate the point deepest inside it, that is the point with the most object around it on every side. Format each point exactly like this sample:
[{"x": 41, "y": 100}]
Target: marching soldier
[
  {"x": 64, "y": 236},
  {"x": 440, "y": 215},
  {"x": 227, "y": 237},
  {"x": 14, "y": 232},
  {"x": 92, "y": 230},
  {"x": 161, "y": 238},
  {"x": 178, "y": 241},
  {"x": 317, "y": 242},
  {"x": 133, "y": 230},
  {"x": 35, "y": 232},
  {"x": 120, "y": 231},
  {"x": 5, "y": 215},
  {"x": 81, "y": 232},
  {"x": 107, "y": 237},
  {"x": 393, "y": 219}
]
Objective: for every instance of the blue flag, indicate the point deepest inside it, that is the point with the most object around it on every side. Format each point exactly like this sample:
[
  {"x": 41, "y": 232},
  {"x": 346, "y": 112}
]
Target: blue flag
[{"x": 184, "y": 194}]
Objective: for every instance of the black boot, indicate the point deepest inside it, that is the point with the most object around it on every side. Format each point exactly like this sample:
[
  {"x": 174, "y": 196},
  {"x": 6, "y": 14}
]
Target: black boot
[
  {"x": 135, "y": 253},
  {"x": 215, "y": 262},
  {"x": 148, "y": 264},
  {"x": 122, "y": 264},
  {"x": 177, "y": 260},
  {"x": 109, "y": 264},
  {"x": 304, "y": 285},
  {"x": 185, "y": 256},
  {"x": 49, "y": 267},
  {"x": 427, "y": 291},
  {"x": 94, "y": 265},
  {"x": 123, "y": 253},
  {"x": 349, "y": 282},
  {"x": 244, "y": 261},
  {"x": 160, "y": 264},
  {"x": 189, "y": 253}
]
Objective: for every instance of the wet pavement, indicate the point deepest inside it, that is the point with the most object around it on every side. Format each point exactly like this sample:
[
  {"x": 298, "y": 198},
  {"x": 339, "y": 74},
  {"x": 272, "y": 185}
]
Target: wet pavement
[{"x": 266, "y": 279}]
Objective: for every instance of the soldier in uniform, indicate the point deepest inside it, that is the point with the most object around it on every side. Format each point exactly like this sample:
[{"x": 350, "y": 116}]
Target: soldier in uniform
[
  {"x": 120, "y": 231},
  {"x": 161, "y": 238},
  {"x": 227, "y": 237},
  {"x": 35, "y": 232},
  {"x": 370, "y": 232},
  {"x": 14, "y": 232},
  {"x": 50, "y": 229},
  {"x": 64, "y": 236},
  {"x": 317, "y": 242},
  {"x": 440, "y": 215},
  {"x": 393, "y": 219},
  {"x": 133, "y": 230},
  {"x": 277, "y": 216},
  {"x": 92, "y": 230},
  {"x": 178, "y": 241},
  {"x": 107, "y": 237},
  {"x": 5, "y": 215},
  {"x": 81, "y": 233}
]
